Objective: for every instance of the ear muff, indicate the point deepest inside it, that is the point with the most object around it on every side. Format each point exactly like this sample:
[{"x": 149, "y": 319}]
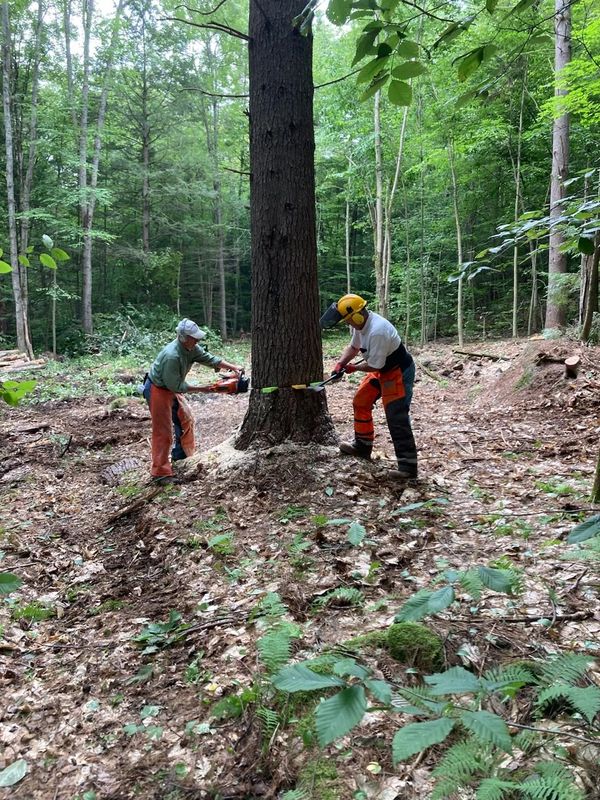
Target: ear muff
[{"x": 358, "y": 318}]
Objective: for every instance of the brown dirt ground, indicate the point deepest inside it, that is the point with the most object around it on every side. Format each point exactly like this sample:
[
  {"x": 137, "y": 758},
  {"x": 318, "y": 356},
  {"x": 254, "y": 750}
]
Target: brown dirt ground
[{"x": 495, "y": 437}]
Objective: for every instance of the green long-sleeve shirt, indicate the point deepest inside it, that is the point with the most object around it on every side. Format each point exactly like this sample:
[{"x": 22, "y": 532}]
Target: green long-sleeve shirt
[{"x": 174, "y": 362}]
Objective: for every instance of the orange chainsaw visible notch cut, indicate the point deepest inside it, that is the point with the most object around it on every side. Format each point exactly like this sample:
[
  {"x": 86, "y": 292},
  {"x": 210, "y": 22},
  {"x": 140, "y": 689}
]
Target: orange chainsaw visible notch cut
[{"x": 227, "y": 384}]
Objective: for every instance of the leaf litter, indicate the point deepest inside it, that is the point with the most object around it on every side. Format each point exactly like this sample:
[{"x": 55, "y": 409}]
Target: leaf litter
[{"x": 130, "y": 663}]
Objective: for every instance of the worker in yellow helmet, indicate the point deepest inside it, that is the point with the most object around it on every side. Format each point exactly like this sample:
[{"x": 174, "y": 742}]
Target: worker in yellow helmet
[{"x": 390, "y": 376}]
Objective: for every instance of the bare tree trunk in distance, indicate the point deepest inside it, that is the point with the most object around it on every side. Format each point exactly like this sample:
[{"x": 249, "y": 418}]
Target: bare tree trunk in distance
[
  {"x": 20, "y": 297},
  {"x": 517, "y": 173},
  {"x": 378, "y": 255},
  {"x": 557, "y": 261},
  {"x": 286, "y": 339},
  {"x": 459, "y": 253}
]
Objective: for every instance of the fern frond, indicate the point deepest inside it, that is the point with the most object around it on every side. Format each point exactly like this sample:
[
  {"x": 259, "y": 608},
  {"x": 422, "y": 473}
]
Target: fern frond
[
  {"x": 552, "y": 781},
  {"x": 507, "y": 679},
  {"x": 527, "y": 741},
  {"x": 566, "y": 668},
  {"x": 461, "y": 765},
  {"x": 343, "y": 595},
  {"x": 587, "y": 551},
  {"x": 585, "y": 701},
  {"x": 471, "y": 583},
  {"x": 271, "y": 605},
  {"x": 275, "y": 647},
  {"x": 495, "y": 789},
  {"x": 295, "y": 794},
  {"x": 270, "y": 721},
  {"x": 419, "y": 699}
]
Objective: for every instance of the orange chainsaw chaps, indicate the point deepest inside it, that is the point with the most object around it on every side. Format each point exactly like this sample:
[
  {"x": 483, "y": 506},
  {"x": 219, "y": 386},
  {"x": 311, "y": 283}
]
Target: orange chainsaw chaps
[{"x": 161, "y": 404}]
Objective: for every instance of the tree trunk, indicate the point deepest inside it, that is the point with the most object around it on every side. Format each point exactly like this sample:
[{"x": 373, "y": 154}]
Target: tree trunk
[
  {"x": 19, "y": 295},
  {"x": 378, "y": 255},
  {"x": 517, "y": 173},
  {"x": 459, "y": 253},
  {"x": 347, "y": 231},
  {"x": 557, "y": 261},
  {"x": 591, "y": 304},
  {"x": 286, "y": 340},
  {"x": 86, "y": 264}
]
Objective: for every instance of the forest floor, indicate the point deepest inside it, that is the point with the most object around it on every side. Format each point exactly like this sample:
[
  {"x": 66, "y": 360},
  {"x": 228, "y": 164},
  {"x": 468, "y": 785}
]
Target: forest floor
[{"x": 102, "y": 702}]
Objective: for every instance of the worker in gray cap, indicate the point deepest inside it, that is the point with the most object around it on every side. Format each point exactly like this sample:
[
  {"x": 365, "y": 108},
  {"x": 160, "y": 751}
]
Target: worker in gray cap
[{"x": 164, "y": 389}]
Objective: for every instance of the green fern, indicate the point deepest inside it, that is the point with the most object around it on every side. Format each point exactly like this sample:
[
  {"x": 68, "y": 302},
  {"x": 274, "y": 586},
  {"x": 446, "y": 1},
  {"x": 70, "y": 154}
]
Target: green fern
[
  {"x": 585, "y": 701},
  {"x": 461, "y": 766},
  {"x": 527, "y": 741},
  {"x": 589, "y": 551},
  {"x": 471, "y": 583},
  {"x": 551, "y": 781},
  {"x": 270, "y": 721},
  {"x": 275, "y": 646},
  {"x": 419, "y": 700},
  {"x": 343, "y": 595},
  {"x": 508, "y": 679},
  {"x": 495, "y": 789},
  {"x": 295, "y": 794},
  {"x": 566, "y": 668},
  {"x": 271, "y": 605}
]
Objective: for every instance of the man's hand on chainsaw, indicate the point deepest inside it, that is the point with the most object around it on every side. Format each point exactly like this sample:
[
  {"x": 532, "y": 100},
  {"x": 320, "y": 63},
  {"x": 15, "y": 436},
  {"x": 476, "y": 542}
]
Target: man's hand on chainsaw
[{"x": 233, "y": 367}]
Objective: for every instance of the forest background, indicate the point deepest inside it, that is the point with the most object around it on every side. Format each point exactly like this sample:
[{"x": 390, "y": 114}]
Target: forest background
[{"x": 129, "y": 139}]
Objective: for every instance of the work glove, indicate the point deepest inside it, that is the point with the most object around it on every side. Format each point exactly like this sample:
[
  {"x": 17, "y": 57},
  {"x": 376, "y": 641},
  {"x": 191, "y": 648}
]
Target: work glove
[{"x": 338, "y": 372}]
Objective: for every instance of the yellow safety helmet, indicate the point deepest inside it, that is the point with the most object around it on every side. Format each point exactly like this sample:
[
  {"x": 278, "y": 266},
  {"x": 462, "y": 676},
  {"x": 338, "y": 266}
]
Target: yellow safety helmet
[{"x": 349, "y": 308}]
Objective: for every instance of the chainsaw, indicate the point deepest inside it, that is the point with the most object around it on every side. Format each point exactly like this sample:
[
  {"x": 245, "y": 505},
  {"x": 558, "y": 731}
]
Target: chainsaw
[{"x": 227, "y": 384}]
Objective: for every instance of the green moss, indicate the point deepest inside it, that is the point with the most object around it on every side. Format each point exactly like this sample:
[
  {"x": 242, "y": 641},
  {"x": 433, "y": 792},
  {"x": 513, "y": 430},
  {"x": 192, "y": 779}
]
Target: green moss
[
  {"x": 367, "y": 640},
  {"x": 415, "y": 645},
  {"x": 319, "y": 780}
]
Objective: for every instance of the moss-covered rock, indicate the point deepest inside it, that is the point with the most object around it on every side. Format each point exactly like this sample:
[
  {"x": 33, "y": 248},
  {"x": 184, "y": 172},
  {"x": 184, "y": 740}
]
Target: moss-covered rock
[
  {"x": 415, "y": 645},
  {"x": 367, "y": 640}
]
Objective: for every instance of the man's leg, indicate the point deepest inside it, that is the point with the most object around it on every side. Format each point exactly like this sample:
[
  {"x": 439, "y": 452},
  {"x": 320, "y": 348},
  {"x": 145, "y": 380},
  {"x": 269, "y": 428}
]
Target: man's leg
[
  {"x": 183, "y": 424},
  {"x": 160, "y": 402},
  {"x": 396, "y": 402},
  {"x": 366, "y": 396}
]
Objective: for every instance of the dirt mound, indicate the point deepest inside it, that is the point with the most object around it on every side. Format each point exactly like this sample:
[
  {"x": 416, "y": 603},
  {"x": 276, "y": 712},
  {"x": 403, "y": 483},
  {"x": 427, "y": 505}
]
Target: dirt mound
[{"x": 537, "y": 377}]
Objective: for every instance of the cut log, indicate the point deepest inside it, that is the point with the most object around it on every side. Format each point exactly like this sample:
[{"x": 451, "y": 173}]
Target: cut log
[
  {"x": 572, "y": 364},
  {"x": 491, "y": 356},
  {"x": 429, "y": 372},
  {"x": 10, "y": 355},
  {"x": 20, "y": 366}
]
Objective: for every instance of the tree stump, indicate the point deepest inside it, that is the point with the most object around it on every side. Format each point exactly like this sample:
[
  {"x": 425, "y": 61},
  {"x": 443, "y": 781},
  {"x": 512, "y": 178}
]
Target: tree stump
[{"x": 572, "y": 364}]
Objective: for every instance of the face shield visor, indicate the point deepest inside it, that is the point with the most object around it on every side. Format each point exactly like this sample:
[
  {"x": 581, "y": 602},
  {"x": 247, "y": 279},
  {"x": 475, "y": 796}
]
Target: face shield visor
[{"x": 331, "y": 317}]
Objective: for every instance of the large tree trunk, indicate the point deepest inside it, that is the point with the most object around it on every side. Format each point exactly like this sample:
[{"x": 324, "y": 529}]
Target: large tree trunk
[
  {"x": 286, "y": 341},
  {"x": 18, "y": 279},
  {"x": 557, "y": 261}
]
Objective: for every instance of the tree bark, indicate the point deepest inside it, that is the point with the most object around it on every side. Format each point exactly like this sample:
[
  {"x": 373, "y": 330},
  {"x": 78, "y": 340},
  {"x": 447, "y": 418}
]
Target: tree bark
[
  {"x": 459, "y": 253},
  {"x": 378, "y": 255},
  {"x": 286, "y": 341},
  {"x": 557, "y": 261},
  {"x": 19, "y": 295},
  {"x": 591, "y": 300}
]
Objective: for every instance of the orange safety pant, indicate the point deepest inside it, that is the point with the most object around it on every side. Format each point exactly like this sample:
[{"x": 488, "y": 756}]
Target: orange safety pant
[
  {"x": 388, "y": 385},
  {"x": 169, "y": 410}
]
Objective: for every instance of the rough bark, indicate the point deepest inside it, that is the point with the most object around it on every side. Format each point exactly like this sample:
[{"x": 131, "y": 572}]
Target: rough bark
[
  {"x": 286, "y": 342},
  {"x": 591, "y": 298},
  {"x": 557, "y": 261}
]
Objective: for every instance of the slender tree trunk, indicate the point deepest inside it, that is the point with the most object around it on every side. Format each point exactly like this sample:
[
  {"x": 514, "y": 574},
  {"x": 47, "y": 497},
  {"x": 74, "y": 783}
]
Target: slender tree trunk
[
  {"x": 378, "y": 255},
  {"x": 591, "y": 305},
  {"x": 459, "y": 249},
  {"x": 517, "y": 173},
  {"x": 348, "y": 237},
  {"x": 145, "y": 149},
  {"x": 286, "y": 340},
  {"x": 20, "y": 297},
  {"x": 86, "y": 277},
  {"x": 557, "y": 261}
]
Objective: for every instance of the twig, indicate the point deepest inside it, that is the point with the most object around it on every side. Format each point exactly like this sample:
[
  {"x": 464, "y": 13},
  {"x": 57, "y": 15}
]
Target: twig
[
  {"x": 429, "y": 372},
  {"x": 552, "y": 733},
  {"x": 66, "y": 447},
  {"x": 336, "y": 80},
  {"x": 123, "y": 512},
  {"x": 527, "y": 619},
  {"x": 211, "y": 26}
]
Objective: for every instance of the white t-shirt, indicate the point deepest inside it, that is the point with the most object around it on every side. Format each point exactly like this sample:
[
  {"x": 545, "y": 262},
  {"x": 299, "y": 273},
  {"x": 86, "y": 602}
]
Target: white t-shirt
[{"x": 377, "y": 340}]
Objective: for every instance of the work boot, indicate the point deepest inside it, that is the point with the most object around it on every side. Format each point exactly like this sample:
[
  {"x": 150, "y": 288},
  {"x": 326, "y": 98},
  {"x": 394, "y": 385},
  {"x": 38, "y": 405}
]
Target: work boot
[
  {"x": 356, "y": 449},
  {"x": 403, "y": 474}
]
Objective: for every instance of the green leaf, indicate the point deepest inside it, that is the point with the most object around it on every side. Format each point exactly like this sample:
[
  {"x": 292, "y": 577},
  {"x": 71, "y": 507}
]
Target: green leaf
[
  {"x": 408, "y": 49},
  {"x": 499, "y": 580},
  {"x": 400, "y": 93},
  {"x": 415, "y": 608},
  {"x": 454, "y": 681},
  {"x": 4, "y": 267},
  {"x": 488, "y": 727},
  {"x": 299, "y": 678},
  {"x": 356, "y": 533},
  {"x": 48, "y": 261},
  {"x": 586, "y": 245},
  {"x": 364, "y": 45},
  {"x": 24, "y": 261},
  {"x": 339, "y": 714},
  {"x": 338, "y": 11},
  {"x": 522, "y": 5},
  {"x": 491, "y": 5},
  {"x": 371, "y": 69},
  {"x": 381, "y": 690},
  {"x": 585, "y": 530},
  {"x": 59, "y": 255},
  {"x": 348, "y": 666},
  {"x": 440, "y": 599},
  {"x": 410, "y": 69},
  {"x": 418, "y": 736},
  {"x": 13, "y": 773},
  {"x": 9, "y": 583},
  {"x": 374, "y": 87},
  {"x": 470, "y": 63},
  {"x": 47, "y": 241}
]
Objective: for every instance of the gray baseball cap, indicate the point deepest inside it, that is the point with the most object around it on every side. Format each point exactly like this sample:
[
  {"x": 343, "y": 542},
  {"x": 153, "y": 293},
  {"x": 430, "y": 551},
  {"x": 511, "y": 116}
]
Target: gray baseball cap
[{"x": 188, "y": 328}]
